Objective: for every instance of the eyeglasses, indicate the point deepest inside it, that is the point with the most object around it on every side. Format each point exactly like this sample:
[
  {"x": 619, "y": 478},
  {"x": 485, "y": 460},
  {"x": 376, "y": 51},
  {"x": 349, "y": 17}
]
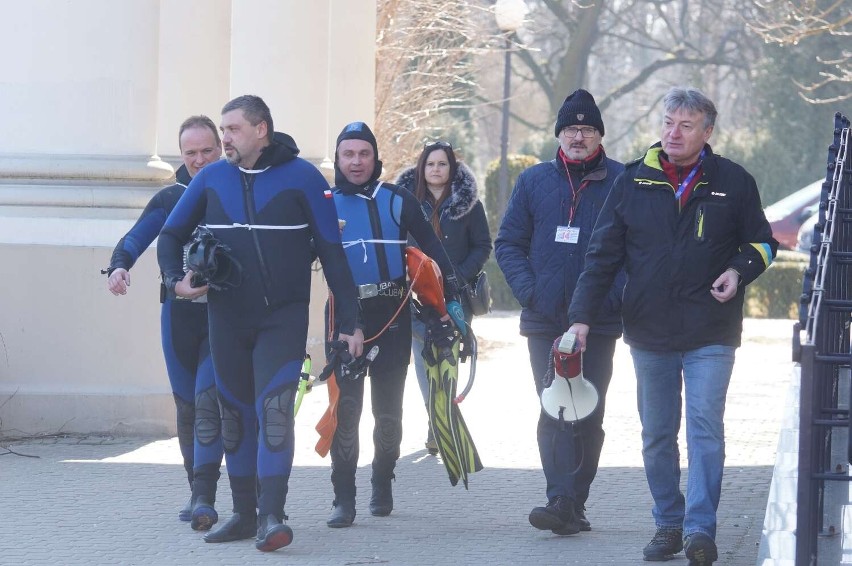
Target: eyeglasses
[
  {"x": 588, "y": 132},
  {"x": 438, "y": 143}
]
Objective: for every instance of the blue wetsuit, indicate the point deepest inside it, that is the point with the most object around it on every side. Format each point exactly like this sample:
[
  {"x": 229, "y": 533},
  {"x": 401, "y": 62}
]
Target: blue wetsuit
[
  {"x": 186, "y": 348},
  {"x": 269, "y": 216}
]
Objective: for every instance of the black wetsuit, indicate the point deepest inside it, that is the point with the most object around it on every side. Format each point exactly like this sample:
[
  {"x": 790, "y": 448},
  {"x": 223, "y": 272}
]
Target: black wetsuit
[
  {"x": 379, "y": 219},
  {"x": 269, "y": 216},
  {"x": 186, "y": 348}
]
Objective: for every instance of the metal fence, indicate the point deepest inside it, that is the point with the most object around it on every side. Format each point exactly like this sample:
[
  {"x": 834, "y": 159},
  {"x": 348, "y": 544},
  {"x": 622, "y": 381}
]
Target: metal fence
[{"x": 822, "y": 345}]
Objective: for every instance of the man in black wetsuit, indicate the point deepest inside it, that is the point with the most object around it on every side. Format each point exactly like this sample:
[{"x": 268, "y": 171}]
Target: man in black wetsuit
[
  {"x": 378, "y": 220},
  {"x": 275, "y": 213},
  {"x": 184, "y": 328}
]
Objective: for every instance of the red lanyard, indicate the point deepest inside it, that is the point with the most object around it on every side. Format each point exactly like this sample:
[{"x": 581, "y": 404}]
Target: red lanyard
[{"x": 575, "y": 196}]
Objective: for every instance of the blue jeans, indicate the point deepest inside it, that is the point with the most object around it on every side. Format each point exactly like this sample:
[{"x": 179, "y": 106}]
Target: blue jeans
[
  {"x": 418, "y": 334},
  {"x": 562, "y": 446},
  {"x": 705, "y": 374}
]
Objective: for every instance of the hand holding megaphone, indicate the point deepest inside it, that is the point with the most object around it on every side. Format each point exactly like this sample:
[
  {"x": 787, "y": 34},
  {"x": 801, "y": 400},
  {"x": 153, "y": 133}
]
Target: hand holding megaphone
[
  {"x": 570, "y": 396},
  {"x": 581, "y": 331}
]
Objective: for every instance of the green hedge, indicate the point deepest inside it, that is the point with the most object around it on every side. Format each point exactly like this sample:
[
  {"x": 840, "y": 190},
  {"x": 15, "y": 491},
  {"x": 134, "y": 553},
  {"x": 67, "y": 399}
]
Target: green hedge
[
  {"x": 776, "y": 293},
  {"x": 501, "y": 295},
  {"x": 494, "y": 210}
]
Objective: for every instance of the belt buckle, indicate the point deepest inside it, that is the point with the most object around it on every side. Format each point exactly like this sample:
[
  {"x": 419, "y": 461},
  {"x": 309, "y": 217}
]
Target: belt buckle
[{"x": 368, "y": 291}]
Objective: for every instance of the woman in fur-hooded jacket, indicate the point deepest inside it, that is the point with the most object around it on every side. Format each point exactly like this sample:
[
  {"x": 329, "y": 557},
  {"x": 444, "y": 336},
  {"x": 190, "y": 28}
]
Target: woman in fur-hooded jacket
[
  {"x": 457, "y": 214},
  {"x": 448, "y": 193}
]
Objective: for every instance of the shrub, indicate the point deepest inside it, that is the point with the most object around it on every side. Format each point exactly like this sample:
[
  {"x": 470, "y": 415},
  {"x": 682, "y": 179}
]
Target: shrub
[
  {"x": 494, "y": 210},
  {"x": 776, "y": 293},
  {"x": 501, "y": 295}
]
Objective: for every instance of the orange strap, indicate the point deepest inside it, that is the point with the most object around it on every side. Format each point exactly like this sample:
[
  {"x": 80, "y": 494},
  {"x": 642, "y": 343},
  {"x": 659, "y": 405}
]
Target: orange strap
[{"x": 427, "y": 283}]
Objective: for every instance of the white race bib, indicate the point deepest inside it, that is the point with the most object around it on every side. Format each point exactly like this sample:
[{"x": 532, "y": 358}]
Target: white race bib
[{"x": 567, "y": 234}]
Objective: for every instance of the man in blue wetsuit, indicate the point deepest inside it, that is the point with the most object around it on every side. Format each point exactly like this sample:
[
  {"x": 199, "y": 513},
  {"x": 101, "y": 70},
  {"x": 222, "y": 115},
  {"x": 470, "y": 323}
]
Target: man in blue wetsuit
[
  {"x": 274, "y": 212},
  {"x": 184, "y": 326},
  {"x": 378, "y": 220}
]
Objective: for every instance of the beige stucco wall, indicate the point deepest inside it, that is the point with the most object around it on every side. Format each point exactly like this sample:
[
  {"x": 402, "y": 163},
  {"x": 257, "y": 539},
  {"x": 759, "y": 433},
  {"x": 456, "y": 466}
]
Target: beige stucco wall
[{"x": 80, "y": 161}]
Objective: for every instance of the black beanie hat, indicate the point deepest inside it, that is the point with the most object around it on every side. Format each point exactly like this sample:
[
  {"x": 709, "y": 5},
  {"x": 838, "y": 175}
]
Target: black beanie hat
[
  {"x": 579, "y": 109},
  {"x": 358, "y": 131}
]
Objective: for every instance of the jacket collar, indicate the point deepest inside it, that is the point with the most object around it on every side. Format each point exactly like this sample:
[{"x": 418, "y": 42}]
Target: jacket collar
[
  {"x": 597, "y": 173},
  {"x": 464, "y": 193},
  {"x": 182, "y": 176},
  {"x": 652, "y": 156}
]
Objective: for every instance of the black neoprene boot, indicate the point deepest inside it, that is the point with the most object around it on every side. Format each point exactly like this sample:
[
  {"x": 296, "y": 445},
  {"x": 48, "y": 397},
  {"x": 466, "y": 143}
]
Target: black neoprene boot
[
  {"x": 381, "y": 501},
  {"x": 342, "y": 514},
  {"x": 272, "y": 534},
  {"x": 240, "y": 526},
  {"x": 185, "y": 514},
  {"x": 204, "y": 514}
]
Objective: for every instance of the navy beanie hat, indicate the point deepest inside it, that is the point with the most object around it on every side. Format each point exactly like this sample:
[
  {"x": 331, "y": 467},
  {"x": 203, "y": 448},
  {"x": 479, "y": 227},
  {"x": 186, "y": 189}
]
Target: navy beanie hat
[
  {"x": 358, "y": 131},
  {"x": 579, "y": 109}
]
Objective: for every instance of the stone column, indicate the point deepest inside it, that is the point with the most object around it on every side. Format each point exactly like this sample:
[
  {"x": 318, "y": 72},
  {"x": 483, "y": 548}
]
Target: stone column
[
  {"x": 314, "y": 65},
  {"x": 91, "y": 88},
  {"x": 351, "y": 67},
  {"x": 82, "y": 80},
  {"x": 312, "y": 62},
  {"x": 194, "y": 69},
  {"x": 77, "y": 163}
]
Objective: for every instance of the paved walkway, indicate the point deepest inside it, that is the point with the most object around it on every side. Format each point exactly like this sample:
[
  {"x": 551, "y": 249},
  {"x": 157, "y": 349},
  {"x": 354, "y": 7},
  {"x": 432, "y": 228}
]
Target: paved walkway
[{"x": 104, "y": 500}]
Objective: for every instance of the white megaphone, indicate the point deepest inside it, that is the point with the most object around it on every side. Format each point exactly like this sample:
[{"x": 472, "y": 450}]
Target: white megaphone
[{"x": 571, "y": 397}]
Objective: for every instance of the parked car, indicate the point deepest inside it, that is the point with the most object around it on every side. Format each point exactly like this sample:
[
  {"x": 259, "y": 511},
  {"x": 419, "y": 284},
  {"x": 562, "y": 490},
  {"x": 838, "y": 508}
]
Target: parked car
[
  {"x": 806, "y": 234},
  {"x": 788, "y": 214}
]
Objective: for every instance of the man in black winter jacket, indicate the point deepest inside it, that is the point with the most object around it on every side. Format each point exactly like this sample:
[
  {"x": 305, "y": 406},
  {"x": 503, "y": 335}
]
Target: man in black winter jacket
[
  {"x": 540, "y": 249},
  {"x": 688, "y": 227}
]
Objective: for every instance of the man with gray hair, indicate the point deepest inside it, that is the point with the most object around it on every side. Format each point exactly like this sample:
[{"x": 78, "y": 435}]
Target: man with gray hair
[{"x": 688, "y": 227}]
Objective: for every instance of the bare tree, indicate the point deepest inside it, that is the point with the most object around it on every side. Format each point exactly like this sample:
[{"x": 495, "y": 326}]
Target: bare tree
[
  {"x": 629, "y": 43},
  {"x": 425, "y": 56},
  {"x": 787, "y": 23}
]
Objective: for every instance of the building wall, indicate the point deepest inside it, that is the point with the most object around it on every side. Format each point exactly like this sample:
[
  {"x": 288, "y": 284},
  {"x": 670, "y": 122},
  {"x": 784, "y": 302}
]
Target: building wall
[{"x": 99, "y": 89}]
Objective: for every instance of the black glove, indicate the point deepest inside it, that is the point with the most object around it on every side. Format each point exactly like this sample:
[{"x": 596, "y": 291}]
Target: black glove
[{"x": 344, "y": 366}]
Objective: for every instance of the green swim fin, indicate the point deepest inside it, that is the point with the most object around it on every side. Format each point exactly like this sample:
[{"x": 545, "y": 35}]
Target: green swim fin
[{"x": 452, "y": 436}]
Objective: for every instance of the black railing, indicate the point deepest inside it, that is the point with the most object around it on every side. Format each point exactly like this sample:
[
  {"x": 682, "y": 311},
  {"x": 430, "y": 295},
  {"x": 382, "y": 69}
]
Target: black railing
[{"x": 821, "y": 342}]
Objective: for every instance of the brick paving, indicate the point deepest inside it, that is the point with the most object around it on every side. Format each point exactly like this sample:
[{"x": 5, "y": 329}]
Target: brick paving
[{"x": 104, "y": 500}]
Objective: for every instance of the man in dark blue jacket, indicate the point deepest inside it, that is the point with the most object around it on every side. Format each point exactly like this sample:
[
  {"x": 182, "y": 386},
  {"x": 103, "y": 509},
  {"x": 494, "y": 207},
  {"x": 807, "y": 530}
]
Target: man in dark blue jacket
[
  {"x": 688, "y": 227},
  {"x": 274, "y": 213},
  {"x": 540, "y": 249}
]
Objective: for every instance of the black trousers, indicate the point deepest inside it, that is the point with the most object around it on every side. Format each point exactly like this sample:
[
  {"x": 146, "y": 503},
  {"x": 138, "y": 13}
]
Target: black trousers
[
  {"x": 387, "y": 385},
  {"x": 562, "y": 447},
  {"x": 258, "y": 360}
]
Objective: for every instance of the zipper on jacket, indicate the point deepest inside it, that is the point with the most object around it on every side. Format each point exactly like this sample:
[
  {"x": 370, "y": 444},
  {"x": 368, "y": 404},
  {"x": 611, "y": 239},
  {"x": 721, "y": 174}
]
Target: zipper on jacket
[
  {"x": 248, "y": 198},
  {"x": 699, "y": 223}
]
